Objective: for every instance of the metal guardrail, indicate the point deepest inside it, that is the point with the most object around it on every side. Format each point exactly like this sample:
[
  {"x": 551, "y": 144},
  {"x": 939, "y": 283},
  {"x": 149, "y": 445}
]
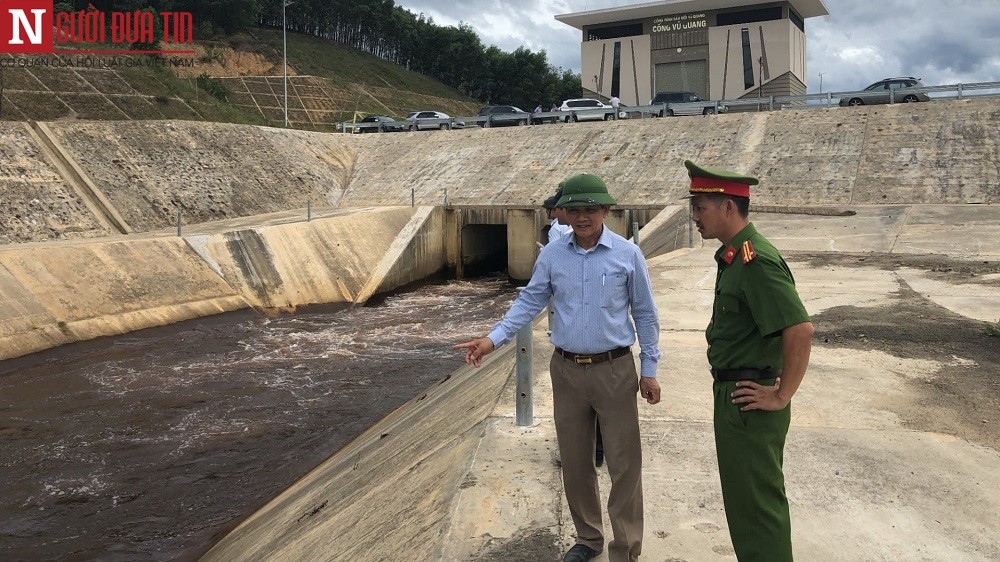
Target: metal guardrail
[{"x": 769, "y": 103}]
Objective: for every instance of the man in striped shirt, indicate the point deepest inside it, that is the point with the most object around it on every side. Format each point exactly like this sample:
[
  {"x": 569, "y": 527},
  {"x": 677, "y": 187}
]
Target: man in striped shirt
[{"x": 599, "y": 286}]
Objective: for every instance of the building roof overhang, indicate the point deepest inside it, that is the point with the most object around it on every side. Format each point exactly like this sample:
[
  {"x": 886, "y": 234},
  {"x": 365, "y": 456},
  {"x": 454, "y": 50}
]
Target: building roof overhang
[{"x": 805, "y": 8}]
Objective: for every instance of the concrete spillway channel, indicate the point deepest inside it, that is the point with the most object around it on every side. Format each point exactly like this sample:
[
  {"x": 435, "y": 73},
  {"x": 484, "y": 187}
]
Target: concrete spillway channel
[{"x": 59, "y": 293}]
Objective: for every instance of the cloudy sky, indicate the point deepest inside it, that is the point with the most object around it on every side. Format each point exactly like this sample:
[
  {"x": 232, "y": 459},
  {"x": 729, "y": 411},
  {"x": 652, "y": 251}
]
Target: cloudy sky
[{"x": 861, "y": 41}]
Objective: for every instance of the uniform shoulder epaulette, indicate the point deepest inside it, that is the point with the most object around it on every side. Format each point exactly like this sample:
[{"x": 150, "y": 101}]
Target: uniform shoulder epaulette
[{"x": 748, "y": 254}]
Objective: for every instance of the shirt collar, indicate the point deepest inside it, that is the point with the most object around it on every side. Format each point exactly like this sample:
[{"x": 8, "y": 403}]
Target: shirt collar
[
  {"x": 737, "y": 241},
  {"x": 603, "y": 240}
]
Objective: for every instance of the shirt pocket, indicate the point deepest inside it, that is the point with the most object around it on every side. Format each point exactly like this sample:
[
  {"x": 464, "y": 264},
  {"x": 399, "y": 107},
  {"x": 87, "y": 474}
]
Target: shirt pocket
[
  {"x": 614, "y": 290},
  {"x": 727, "y": 316}
]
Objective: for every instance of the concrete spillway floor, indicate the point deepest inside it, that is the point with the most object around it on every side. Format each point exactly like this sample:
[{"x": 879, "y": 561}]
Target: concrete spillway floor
[{"x": 894, "y": 450}]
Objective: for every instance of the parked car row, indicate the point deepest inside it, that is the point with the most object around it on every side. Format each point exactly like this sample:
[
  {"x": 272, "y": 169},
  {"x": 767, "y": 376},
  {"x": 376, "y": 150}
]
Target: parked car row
[
  {"x": 415, "y": 121},
  {"x": 889, "y": 90}
]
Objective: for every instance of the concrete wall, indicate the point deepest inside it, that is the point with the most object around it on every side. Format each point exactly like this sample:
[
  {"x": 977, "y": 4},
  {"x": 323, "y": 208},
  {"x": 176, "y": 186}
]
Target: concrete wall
[
  {"x": 56, "y": 293},
  {"x": 940, "y": 152},
  {"x": 388, "y": 495}
]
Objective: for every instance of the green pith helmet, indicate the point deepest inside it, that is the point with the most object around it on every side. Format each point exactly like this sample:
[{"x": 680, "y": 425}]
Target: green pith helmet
[{"x": 584, "y": 190}]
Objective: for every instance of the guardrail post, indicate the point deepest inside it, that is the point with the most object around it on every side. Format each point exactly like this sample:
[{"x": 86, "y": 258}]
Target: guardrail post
[
  {"x": 309, "y": 210},
  {"x": 690, "y": 228},
  {"x": 178, "y": 222},
  {"x": 770, "y": 103},
  {"x": 635, "y": 232},
  {"x": 960, "y": 91},
  {"x": 489, "y": 120},
  {"x": 413, "y": 197},
  {"x": 524, "y": 413},
  {"x": 829, "y": 99},
  {"x": 380, "y": 126},
  {"x": 892, "y": 96}
]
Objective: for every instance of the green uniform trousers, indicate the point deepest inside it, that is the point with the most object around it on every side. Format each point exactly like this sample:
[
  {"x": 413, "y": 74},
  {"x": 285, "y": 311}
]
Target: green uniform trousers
[{"x": 750, "y": 449}]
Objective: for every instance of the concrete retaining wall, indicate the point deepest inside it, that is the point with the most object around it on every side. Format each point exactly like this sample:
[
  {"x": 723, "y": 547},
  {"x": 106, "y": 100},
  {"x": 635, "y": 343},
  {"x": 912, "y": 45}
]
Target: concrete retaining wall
[
  {"x": 60, "y": 293},
  {"x": 56, "y": 293},
  {"x": 940, "y": 152},
  {"x": 389, "y": 493}
]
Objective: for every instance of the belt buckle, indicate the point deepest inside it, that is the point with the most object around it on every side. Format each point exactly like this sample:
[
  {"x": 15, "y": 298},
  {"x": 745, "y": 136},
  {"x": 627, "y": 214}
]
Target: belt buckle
[{"x": 583, "y": 360}]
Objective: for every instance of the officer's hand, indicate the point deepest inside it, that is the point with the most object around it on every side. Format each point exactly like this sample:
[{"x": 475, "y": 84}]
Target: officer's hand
[
  {"x": 649, "y": 389},
  {"x": 476, "y": 349},
  {"x": 758, "y": 397}
]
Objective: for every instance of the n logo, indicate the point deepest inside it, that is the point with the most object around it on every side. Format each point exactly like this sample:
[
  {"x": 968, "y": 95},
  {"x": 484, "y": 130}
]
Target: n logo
[{"x": 26, "y": 27}]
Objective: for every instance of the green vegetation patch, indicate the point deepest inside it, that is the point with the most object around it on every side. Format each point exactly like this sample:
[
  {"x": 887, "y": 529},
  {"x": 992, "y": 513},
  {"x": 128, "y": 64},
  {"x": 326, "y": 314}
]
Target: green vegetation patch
[
  {"x": 92, "y": 106},
  {"x": 18, "y": 78},
  {"x": 9, "y": 111},
  {"x": 107, "y": 81},
  {"x": 136, "y": 107},
  {"x": 39, "y": 106},
  {"x": 62, "y": 79}
]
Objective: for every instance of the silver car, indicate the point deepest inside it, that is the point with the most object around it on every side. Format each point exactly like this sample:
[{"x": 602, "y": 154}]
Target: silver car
[
  {"x": 881, "y": 91},
  {"x": 432, "y": 120}
]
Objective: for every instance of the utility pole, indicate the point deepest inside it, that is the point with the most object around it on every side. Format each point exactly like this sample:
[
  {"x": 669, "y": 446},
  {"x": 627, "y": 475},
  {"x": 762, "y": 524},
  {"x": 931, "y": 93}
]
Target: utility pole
[{"x": 284, "y": 50}]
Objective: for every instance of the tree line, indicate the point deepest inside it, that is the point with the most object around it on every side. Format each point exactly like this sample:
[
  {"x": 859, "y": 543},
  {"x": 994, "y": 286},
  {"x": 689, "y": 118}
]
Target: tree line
[{"x": 452, "y": 55}]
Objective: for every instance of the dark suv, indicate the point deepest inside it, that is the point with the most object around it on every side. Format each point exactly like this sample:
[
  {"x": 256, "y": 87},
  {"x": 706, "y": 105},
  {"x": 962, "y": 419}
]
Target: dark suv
[
  {"x": 499, "y": 115},
  {"x": 694, "y": 105},
  {"x": 880, "y": 91}
]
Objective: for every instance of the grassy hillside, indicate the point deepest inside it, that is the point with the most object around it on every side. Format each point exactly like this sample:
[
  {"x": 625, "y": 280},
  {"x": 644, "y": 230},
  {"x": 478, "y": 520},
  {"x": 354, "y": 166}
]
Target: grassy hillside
[{"x": 238, "y": 80}]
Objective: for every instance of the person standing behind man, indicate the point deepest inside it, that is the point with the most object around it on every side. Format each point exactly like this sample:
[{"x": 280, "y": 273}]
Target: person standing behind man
[
  {"x": 596, "y": 280},
  {"x": 558, "y": 226},
  {"x": 759, "y": 340},
  {"x": 615, "y": 103}
]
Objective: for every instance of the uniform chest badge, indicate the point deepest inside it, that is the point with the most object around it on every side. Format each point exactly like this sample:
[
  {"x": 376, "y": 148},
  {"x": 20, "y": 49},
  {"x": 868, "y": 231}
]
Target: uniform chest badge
[
  {"x": 748, "y": 253},
  {"x": 729, "y": 255}
]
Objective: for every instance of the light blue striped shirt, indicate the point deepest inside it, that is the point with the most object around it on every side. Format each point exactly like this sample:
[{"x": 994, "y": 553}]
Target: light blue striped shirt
[{"x": 592, "y": 293}]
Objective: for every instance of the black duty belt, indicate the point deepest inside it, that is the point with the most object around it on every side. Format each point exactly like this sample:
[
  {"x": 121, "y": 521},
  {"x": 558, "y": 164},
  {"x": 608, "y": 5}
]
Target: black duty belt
[
  {"x": 582, "y": 359},
  {"x": 725, "y": 375}
]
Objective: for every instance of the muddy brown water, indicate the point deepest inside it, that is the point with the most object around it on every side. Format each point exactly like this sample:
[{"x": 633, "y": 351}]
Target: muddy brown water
[{"x": 152, "y": 445}]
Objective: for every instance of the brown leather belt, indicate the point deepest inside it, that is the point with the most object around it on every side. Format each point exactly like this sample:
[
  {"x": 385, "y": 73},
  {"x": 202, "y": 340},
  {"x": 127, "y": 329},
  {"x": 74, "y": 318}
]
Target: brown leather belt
[{"x": 581, "y": 359}]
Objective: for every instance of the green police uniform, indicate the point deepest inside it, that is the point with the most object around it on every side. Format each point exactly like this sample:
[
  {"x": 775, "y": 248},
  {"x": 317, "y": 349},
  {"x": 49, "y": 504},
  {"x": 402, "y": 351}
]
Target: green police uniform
[{"x": 755, "y": 299}]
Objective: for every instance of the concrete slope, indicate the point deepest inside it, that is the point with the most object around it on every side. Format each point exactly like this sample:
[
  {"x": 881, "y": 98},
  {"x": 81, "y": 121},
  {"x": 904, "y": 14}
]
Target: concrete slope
[
  {"x": 327, "y": 260},
  {"x": 417, "y": 252},
  {"x": 388, "y": 494},
  {"x": 59, "y": 293},
  {"x": 39, "y": 202},
  {"x": 942, "y": 152},
  {"x": 151, "y": 169}
]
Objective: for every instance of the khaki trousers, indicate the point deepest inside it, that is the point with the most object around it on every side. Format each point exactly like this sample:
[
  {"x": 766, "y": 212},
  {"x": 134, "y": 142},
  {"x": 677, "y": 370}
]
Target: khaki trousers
[{"x": 582, "y": 395}]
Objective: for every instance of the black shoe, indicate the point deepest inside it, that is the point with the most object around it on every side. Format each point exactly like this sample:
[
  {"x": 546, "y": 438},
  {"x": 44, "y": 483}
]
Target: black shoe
[{"x": 580, "y": 553}]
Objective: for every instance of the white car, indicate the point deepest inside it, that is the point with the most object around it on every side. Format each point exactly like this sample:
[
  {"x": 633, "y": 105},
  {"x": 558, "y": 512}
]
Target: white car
[
  {"x": 587, "y": 109},
  {"x": 432, "y": 120}
]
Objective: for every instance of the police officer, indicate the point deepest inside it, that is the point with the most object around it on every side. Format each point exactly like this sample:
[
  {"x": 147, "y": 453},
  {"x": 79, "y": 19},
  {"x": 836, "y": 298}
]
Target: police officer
[
  {"x": 758, "y": 346},
  {"x": 599, "y": 286}
]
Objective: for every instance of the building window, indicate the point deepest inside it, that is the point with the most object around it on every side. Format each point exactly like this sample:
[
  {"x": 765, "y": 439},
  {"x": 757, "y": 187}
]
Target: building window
[
  {"x": 748, "y": 80},
  {"x": 616, "y": 70},
  {"x": 613, "y": 32},
  {"x": 797, "y": 20},
  {"x": 748, "y": 16}
]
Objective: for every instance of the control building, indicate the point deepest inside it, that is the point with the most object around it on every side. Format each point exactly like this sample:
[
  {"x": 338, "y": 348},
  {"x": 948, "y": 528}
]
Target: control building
[{"x": 718, "y": 49}]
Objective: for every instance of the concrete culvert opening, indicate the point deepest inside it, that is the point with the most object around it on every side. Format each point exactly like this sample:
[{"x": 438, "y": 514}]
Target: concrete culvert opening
[{"x": 484, "y": 249}]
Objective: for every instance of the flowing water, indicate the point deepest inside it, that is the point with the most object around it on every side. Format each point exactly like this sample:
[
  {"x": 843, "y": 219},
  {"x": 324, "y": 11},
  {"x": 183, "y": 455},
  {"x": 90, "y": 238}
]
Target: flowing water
[{"x": 152, "y": 445}]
